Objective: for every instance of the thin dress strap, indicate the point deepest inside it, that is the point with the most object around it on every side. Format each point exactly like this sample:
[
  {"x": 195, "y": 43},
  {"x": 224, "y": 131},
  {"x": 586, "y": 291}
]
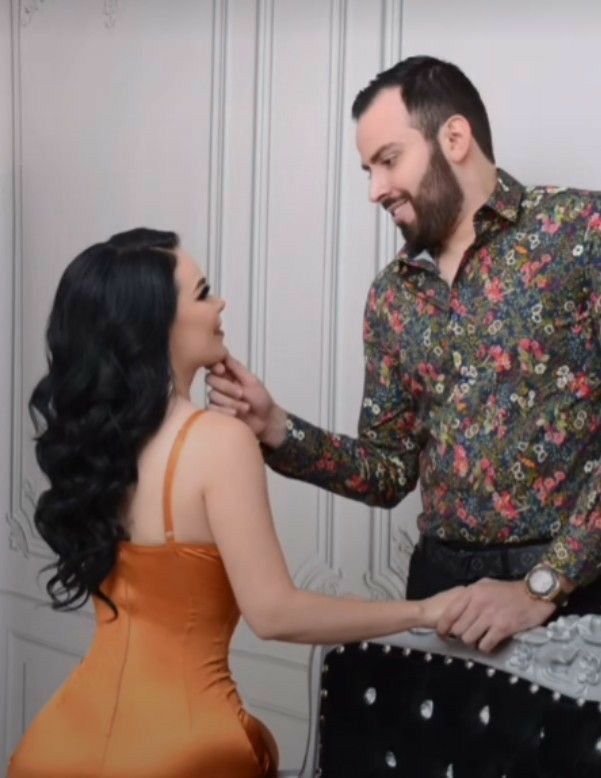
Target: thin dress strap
[{"x": 170, "y": 472}]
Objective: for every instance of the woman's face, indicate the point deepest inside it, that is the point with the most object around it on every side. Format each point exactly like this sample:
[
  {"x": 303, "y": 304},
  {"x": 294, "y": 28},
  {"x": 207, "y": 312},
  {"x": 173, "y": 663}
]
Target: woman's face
[{"x": 196, "y": 335}]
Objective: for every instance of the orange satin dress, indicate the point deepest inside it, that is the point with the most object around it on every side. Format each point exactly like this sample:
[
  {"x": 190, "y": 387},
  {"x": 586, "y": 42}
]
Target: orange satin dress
[{"x": 154, "y": 698}]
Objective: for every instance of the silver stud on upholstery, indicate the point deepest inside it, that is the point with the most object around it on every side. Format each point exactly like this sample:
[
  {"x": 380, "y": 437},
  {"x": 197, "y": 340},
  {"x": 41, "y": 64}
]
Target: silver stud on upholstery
[
  {"x": 369, "y": 696},
  {"x": 448, "y": 660},
  {"x": 428, "y": 657},
  {"x": 386, "y": 649},
  {"x": 340, "y": 649},
  {"x": 556, "y": 696},
  {"x": 469, "y": 664},
  {"x": 490, "y": 672},
  {"x": 390, "y": 759},
  {"x": 484, "y": 715},
  {"x": 580, "y": 702},
  {"x": 426, "y": 709},
  {"x": 598, "y": 746},
  {"x": 513, "y": 679},
  {"x": 406, "y": 651},
  {"x": 363, "y": 645},
  {"x": 534, "y": 687},
  {"x": 449, "y": 773},
  {"x": 541, "y": 734},
  {"x": 324, "y": 693},
  {"x": 325, "y": 668}
]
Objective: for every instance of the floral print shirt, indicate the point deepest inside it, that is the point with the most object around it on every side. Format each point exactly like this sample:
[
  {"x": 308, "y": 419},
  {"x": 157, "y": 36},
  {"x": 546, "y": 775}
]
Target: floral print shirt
[{"x": 488, "y": 391}]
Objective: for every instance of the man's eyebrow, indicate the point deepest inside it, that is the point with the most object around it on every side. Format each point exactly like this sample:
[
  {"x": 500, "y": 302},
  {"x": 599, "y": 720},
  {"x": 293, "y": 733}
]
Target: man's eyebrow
[
  {"x": 202, "y": 281},
  {"x": 382, "y": 150}
]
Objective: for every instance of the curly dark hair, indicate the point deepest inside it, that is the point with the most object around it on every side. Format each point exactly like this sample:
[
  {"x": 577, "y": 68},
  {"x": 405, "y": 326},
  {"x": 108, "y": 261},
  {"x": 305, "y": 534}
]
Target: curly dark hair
[{"x": 105, "y": 394}]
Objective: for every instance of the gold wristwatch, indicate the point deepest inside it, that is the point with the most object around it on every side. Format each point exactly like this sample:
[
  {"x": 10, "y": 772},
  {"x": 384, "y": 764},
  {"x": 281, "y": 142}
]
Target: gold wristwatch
[{"x": 544, "y": 583}]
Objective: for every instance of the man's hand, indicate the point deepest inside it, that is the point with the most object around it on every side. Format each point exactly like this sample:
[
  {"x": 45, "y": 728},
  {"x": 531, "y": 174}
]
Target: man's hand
[
  {"x": 434, "y": 607},
  {"x": 491, "y": 612},
  {"x": 238, "y": 392}
]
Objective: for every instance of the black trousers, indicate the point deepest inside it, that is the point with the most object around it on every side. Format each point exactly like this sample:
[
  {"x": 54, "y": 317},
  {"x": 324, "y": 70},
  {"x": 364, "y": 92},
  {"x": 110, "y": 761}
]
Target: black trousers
[{"x": 436, "y": 566}]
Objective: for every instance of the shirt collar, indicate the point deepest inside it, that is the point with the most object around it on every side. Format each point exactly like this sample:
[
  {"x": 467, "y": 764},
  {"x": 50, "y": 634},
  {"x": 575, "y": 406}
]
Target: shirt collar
[{"x": 506, "y": 197}]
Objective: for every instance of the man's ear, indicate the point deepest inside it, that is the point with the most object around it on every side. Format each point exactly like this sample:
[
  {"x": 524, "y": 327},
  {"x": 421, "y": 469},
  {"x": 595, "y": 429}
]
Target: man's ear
[{"x": 455, "y": 138}]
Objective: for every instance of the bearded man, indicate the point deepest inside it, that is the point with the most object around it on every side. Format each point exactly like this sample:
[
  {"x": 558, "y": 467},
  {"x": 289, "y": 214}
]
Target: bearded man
[{"x": 482, "y": 366}]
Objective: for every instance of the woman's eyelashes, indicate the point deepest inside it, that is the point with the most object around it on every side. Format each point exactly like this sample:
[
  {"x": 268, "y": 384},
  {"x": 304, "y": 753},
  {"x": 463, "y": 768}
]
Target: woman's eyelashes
[{"x": 204, "y": 292}]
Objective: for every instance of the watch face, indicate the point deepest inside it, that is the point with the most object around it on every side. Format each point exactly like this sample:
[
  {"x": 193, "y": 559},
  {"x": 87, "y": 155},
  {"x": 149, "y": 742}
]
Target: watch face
[{"x": 541, "y": 581}]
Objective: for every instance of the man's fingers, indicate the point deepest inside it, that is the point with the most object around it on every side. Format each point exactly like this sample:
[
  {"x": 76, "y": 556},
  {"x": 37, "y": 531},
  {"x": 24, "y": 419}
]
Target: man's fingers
[
  {"x": 491, "y": 640},
  {"x": 219, "y": 400},
  {"x": 451, "y": 614},
  {"x": 237, "y": 369},
  {"x": 218, "y": 368},
  {"x": 474, "y": 632},
  {"x": 224, "y": 387}
]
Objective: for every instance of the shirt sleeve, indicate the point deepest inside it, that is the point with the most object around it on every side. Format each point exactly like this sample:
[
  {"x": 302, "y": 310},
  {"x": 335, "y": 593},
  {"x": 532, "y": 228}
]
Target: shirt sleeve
[
  {"x": 576, "y": 551},
  {"x": 380, "y": 466}
]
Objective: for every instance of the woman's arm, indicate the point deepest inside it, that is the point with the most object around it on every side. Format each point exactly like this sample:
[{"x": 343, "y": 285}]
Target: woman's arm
[{"x": 237, "y": 503}]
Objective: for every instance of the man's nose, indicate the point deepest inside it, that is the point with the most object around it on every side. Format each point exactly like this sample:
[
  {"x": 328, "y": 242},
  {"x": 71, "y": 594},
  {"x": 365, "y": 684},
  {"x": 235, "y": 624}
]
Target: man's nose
[{"x": 378, "y": 188}]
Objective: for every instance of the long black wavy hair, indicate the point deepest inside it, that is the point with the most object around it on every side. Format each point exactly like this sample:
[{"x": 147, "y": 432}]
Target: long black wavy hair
[{"x": 105, "y": 394}]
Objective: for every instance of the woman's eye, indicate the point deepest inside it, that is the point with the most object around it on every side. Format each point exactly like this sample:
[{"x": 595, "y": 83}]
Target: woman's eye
[
  {"x": 204, "y": 293},
  {"x": 389, "y": 161}
]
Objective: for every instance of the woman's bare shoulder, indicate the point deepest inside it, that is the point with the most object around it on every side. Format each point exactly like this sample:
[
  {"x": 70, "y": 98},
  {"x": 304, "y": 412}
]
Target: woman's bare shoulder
[{"x": 215, "y": 433}]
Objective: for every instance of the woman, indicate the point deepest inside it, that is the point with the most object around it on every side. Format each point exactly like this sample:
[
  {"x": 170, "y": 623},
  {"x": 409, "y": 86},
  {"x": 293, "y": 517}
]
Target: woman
[{"x": 161, "y": 514}]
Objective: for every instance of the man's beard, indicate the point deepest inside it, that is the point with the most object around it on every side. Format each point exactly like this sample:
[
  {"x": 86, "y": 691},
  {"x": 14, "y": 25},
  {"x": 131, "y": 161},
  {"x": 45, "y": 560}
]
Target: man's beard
[{"x": 437, "y": 206}]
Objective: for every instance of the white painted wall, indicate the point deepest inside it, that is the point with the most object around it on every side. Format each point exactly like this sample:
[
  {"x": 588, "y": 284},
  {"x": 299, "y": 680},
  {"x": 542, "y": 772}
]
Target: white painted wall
[
  {"x": 6, "y": 227},
  {"x": 535, "y": 65},
  {"x": 228, "y": 120}
]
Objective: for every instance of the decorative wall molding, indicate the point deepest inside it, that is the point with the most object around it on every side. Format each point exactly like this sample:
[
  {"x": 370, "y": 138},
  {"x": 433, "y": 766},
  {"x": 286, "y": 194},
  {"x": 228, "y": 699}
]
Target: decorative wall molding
[
  {"x": 17, "y": 539},
  {"x": 260, "y": 197},
  {"x": 317, "y": 572},
  {"x": 391, "y": 549},
  {"x": 387, "y": 234},
  {"x": 323, "y": 579},
  {"x": 28, "y": 10},
  {"x": 23, "y": 537},
  {"x": 110, "y": 10},
  {"x": 216, "y": 143}
]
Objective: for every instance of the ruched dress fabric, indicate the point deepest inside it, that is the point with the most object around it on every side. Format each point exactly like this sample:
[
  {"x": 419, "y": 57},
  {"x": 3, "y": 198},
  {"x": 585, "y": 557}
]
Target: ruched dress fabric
[{"x": 154, "y": 698}]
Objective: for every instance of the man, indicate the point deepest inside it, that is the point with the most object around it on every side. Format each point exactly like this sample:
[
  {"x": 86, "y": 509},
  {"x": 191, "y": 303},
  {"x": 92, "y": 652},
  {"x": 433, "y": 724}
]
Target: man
[{"x": 483, "y": 366}]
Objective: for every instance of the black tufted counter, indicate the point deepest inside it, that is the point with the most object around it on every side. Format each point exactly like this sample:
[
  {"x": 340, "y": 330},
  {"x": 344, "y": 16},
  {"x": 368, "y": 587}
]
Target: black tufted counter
[{"x": 392, "y": 711}]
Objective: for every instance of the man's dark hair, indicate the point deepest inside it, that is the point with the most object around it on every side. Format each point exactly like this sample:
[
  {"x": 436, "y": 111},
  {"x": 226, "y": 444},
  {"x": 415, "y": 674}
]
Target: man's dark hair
[{"x": 432, "y": 91}]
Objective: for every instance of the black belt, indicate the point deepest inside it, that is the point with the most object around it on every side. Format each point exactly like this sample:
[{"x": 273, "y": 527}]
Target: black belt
[{"x": 465, "y": 561}]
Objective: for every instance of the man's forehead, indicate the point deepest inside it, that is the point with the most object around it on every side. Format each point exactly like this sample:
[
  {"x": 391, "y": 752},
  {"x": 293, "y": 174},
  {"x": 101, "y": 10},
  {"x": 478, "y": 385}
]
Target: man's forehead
[{"x": 385, "y": 121}]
